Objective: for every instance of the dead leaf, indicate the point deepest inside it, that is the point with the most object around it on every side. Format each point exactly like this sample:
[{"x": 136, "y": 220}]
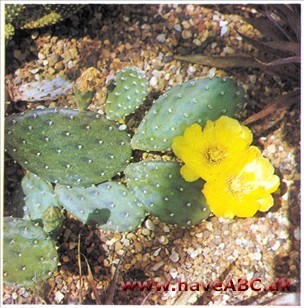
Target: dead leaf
[
  {"x": 244, "y": 61},
  {"x": 282, "y": 102},
  {"x": 285, "y": 46},
  {"x": 295, "y": 59},
  {"x": 266, "y": 27}
]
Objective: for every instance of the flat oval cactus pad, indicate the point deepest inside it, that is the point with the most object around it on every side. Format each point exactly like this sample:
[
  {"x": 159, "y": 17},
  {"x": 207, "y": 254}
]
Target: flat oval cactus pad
[{"x": 67, "y": 146}]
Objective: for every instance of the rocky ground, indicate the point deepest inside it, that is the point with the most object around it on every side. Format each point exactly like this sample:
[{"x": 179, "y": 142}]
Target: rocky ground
[{"x": 109, "y": 38}]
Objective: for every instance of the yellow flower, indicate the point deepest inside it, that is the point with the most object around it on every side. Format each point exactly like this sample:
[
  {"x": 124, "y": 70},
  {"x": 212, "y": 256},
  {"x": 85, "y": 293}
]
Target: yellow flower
[
  {"x": 243, "y": 189},
  {"x": 209, "y": 151}
]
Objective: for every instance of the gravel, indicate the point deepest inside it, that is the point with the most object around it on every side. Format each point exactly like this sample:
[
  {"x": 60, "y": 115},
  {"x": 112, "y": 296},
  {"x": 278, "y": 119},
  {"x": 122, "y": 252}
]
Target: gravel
[{"x": 148, "y": 36}]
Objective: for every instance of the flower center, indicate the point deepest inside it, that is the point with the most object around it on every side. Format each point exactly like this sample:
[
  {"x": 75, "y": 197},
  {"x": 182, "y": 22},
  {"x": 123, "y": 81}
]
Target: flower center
[
  {"x": 239, "y": 185},
  {"x": 215, "y": 155}
]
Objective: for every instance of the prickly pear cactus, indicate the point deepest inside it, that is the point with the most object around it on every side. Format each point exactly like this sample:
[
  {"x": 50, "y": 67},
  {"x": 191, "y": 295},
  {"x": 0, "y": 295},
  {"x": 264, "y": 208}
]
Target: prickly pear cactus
[
  {"x": 29, "y": 256},
  {"x": 109, "y": 206},
  {"x": 39, "y": 195},
  {"x": 165, "y": 194},
  {"x": 126, "y": 93},
  {"x": 52, "y": 221},
  {"x": 67, "y": 146},
  {"x": 195, "y": 101}
]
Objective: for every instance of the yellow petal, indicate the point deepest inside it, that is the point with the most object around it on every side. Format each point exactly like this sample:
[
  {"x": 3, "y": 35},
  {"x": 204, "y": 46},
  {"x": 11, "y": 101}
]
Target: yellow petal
[
  {"x": 247, "y": 208},
  {"x": 265, "y": 203},
  {"x": 230, "y": 129},
  {"x": 178, "y": 145},
  {"x": 188, "y": 174}
]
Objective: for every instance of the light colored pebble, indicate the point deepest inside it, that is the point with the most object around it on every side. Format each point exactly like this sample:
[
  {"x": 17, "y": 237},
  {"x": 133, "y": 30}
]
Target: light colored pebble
[
  {"x": 161, "y": 38},
  {"x": 157, "y": 266},
  {"x": 149, "y": 225},
  {"x": 174, "y": 257}
]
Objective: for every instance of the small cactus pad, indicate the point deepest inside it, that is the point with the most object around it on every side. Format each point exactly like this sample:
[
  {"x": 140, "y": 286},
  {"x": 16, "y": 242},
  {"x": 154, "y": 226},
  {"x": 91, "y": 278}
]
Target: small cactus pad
[
  {"x": 109, "y": 206},
  {"x": 53, "y": 221},
  {"x": 194, "y": 101},
  {"x": 67, "y": 146},
  {"x": 165, "y": 194},
  {"x": 39, "y": 196},
  {"x": 126, "y": 93},
  {"x": 29, "y": 256}
]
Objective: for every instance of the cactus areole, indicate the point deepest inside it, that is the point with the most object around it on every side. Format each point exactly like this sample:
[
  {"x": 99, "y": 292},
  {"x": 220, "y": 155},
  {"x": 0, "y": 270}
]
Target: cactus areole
[{"x": 67, "y": 146}]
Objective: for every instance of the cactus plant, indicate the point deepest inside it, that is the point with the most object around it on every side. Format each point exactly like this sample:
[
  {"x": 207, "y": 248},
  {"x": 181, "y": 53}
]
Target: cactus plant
[
  {"x": 193, "y": 101},
  {"x": 126, "y": 93},
  {"x": 29, "y": 256},
  {"x": 109, "y": 206},
  {"x": 39, "y": 195},
  {"x": 67, "y": 146},
  {"x": 32, "y": 16},
  {"x": 165, "y": 194},
  {"x": 52, "y": 220}
]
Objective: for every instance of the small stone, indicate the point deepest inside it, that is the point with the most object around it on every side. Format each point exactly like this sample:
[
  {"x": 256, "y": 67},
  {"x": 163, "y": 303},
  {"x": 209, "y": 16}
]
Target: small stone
[
  {"x": 161, "y": 38},
  {"x": 149, "y": 225},
  {"x": 197, "y": 42},
  {"x": 156, "y": 252},
  {"x": 257, "y": 256},
  {"x": 186, "y": 34},
  {"x": 153, "y": 82},
  {"x": 59, "y": 297},
  {"x": 157, "y": 266},
  {"x": 174, "y": 257},
  {"x": 297, "y": 233},
  {"x": 145, "y": 232},
  {"x": 118, "y": 246},
  {"x": 138, "y": 246},
  {"x": 59, "y": 66},
  {"x": 163, "y": 239},
  {"x": 72, "y": 245},
  {"x": 276, "y": 246},
  {"x": 166, "y": 229},
  {"x": 35, "y": 70},
  {"x": 178, "y": 28}
]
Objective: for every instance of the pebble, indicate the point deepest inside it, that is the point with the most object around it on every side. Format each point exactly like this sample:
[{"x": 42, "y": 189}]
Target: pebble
[
  {"x": 153, "y": 82},
  {"x": 59, "y": 297},
  {"x": 174, "y": 257},
  {"x": 149, "y": 225},
  {"x": 161, "y": 38},
  {"x": 151, "y": 54},
  {"x": 186, "y": 34},
  {"x": 157, "y": 266},
  {"x": 297, "y": 234},
  {"x": 178, "y": 28},
  {"x": 163, "y": 239}
]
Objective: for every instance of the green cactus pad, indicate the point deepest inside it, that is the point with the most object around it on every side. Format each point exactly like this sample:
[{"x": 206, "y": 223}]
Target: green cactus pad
[
  {"x": 52, "y": 220},
  {"x": 126, "y": 93},
  {"x": 165, "y": 194},
  {"x": 29, "y": 256},
  {"x": 109, "y": 206},
  {"x": 194, "y": 101},
  {"x": 39, "y": 195},
  {"x": 67, "y": 146}
]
